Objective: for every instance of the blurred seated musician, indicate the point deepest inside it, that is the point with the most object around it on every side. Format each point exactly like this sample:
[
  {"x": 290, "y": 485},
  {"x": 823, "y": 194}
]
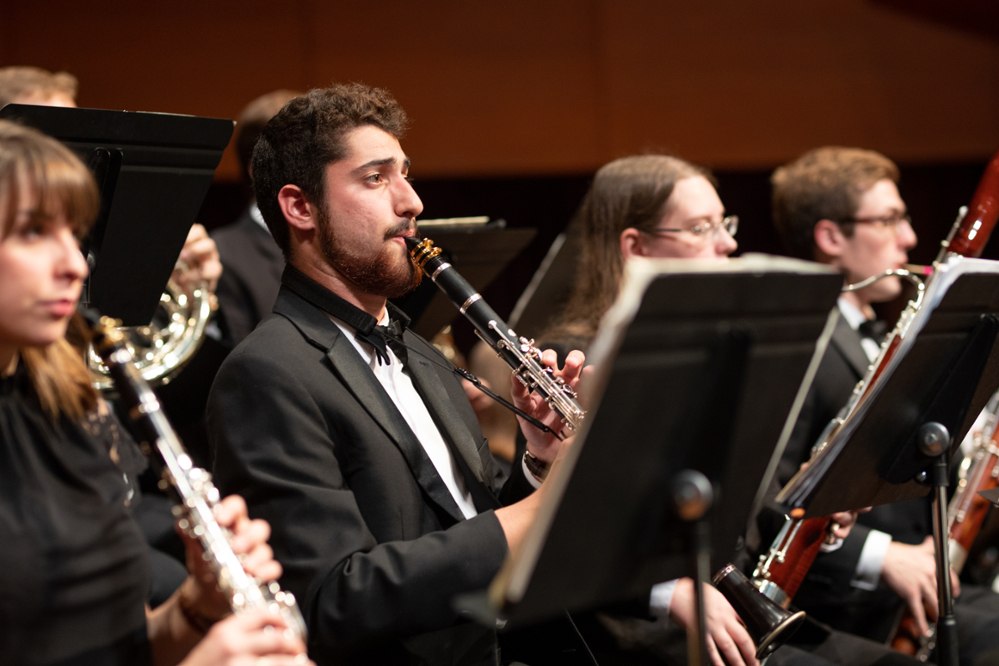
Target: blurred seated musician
[
  {"x": 33, "y": 85},
  {"x": 73, "y": 568},
  {"x": 251, "y": 259},
  {"x": 841, "y": 207},
  {"x": 197, "y": 265},
  {"x": 659, "y": 206}
]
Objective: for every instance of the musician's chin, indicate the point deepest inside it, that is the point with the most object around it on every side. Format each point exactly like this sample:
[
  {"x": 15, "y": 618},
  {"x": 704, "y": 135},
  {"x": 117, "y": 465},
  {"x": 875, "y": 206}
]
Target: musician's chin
[
  {"x": 885, "y": 290},
  {"x": 403, "y": 279}
]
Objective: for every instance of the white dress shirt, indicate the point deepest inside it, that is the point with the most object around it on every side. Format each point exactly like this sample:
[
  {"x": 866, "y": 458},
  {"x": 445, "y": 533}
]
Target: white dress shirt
[
  {"x": 399, "y": 387},
  {"x": 854, "y": 317},
  {"x": 872, "y": 555}
]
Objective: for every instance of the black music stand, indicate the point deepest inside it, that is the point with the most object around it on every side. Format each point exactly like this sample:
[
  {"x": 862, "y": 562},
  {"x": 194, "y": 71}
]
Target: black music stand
[
  {"x": 550, "y": 286},
  {"x": 896, "y": 443},
  {"x": 153, "y": 170},
  {"x": 478, "y": 252},
  {"x": 697, "y": 367}
]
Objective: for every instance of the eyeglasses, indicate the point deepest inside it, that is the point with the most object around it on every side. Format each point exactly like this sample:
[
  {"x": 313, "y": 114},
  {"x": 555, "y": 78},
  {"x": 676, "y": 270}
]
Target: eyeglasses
[
  {"x": 891, "y": 221},
  {"x": 701, "y": 230}
]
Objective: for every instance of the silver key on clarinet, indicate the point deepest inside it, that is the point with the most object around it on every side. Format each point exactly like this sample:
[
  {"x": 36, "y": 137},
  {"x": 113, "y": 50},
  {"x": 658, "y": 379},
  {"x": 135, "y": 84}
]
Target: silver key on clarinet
[{"x": 195, "y": 493}]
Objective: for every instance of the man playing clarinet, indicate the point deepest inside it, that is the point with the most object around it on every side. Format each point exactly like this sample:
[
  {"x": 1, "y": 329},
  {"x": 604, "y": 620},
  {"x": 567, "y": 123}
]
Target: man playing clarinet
[{"x": 366, "y": 455}]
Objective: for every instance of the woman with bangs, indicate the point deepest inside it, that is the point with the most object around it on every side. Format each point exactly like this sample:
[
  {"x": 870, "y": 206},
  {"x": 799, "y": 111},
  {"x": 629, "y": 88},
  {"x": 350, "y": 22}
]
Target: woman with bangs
[{"x": 73, "y": 564}]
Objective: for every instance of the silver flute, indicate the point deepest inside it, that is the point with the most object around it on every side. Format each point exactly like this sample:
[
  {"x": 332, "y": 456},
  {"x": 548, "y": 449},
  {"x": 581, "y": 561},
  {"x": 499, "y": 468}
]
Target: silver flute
[
  {"x": 195, "y": 493},
  {"x": 519, "y": 353}
]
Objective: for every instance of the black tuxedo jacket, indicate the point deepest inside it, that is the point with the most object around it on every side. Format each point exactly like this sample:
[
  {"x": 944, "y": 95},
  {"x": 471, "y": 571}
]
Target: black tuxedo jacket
[
  {"x": 826, "y": 592},
  {"x": 251, "y": 276},
  {"x": 371, "y": 541}
]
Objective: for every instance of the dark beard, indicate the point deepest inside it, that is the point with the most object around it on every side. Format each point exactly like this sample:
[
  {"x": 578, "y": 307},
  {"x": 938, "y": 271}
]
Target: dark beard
[{"x": 382, "y": 274}]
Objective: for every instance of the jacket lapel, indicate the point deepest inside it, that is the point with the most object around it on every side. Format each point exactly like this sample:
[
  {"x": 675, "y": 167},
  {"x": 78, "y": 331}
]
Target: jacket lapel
[
  {"x": 357, "y": 376},
  {"x": 427, "y": 382},
  {"x": 847, "y": 343}
]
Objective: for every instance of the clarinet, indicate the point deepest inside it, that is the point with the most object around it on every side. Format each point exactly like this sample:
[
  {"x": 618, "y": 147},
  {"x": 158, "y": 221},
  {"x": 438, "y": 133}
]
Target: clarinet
[
  {"x": 518, "y": 352},
  {"x": 192, "y": 486}
]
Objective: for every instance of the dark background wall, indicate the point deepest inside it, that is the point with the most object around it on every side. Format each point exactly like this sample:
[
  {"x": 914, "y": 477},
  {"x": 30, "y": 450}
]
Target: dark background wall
[{"x": 516, "y": 104}]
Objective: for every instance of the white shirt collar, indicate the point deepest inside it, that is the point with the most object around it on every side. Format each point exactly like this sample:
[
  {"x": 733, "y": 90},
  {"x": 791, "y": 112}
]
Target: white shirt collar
[
  {"x": 854, "y": 317},
  {"x": 399, "y": 387},
  {"x": 257, "y": 216},
  {"x": 363, "y": 348},
  {"x": 851, "y": 313}
]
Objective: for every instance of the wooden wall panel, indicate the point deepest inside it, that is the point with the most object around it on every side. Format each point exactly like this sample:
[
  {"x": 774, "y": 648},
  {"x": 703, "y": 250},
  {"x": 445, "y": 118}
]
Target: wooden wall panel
[
  {"x": 512, "y": 81},
  {"x": 527, "y": 87},
  {"x": 746, "y": 84}
]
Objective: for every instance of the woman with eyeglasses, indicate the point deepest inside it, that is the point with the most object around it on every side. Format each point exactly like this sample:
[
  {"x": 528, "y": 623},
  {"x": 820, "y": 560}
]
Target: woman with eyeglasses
[
  {"x": 651, "y": 206},
  {"x": 640, "y": 206},
  {"x": 74, "y": 572}
]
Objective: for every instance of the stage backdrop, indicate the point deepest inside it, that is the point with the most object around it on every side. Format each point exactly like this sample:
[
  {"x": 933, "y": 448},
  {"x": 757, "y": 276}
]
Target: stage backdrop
[{"x": 559, "y": 86}]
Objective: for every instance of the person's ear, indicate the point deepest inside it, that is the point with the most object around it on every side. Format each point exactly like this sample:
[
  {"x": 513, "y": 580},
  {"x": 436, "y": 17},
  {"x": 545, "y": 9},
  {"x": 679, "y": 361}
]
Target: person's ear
[
  {"x": 296, "y": 208},
  {"x": 829, "y": 239},
  {"x": 631, "y": 243}
]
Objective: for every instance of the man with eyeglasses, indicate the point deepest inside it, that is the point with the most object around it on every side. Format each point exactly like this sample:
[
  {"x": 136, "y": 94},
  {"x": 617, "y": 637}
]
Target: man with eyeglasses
[{"x": 841, "y": 206}]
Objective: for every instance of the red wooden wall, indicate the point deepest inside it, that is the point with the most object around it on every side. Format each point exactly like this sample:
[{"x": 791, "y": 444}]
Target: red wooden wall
[{"x": 549, "y": 86}]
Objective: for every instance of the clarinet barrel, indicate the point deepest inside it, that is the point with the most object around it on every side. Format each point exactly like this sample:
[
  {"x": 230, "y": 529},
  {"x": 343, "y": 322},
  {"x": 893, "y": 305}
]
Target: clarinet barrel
[{"x": 519, "y": 353}]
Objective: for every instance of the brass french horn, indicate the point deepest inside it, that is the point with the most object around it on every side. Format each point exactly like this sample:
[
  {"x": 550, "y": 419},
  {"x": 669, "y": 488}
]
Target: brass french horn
[{"x": 162, "y": 348}]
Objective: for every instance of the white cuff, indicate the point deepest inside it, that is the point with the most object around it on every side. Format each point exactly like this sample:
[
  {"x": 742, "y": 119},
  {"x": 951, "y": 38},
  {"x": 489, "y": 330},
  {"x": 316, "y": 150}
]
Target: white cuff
[
  {"x": 531, "y": 479},
  {"x": 659, "y": 600},
  {"x": 872, "y": 557}
]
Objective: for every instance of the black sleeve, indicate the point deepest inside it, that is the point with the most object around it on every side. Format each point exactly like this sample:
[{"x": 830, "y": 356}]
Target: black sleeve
[{"x": 275, "y": 446}]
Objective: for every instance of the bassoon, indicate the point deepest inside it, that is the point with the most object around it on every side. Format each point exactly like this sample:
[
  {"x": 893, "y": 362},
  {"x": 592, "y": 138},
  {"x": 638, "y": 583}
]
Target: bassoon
[{"x": 783, "y": 566}]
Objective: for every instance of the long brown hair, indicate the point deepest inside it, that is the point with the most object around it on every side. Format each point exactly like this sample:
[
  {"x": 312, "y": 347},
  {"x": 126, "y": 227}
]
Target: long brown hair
[
  {"x": 630, "y": 192},
  {"x": 62, "y": 184}
]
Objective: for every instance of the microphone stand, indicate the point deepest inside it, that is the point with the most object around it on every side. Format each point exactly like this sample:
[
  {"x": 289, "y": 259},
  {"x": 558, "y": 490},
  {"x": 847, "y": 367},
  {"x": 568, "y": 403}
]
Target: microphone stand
[
  {"x": 692, "y": 499},
  {"x": 933, "y": 440}
]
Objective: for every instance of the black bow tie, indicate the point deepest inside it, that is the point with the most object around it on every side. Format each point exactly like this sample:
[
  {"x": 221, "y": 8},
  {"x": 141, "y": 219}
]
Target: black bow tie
[
  {"x": 383, "y": 338},
  {"x": 364, "y": 325},
  {"x": 874, "y": 329}
]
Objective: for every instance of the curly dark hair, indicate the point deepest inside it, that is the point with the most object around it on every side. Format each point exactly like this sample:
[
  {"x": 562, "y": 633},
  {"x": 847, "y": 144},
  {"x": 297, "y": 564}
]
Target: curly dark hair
[
  {"x": 307, "y": 135},
  {"x": 251, "y": 122},
  {"x": 823, "y": 184}
]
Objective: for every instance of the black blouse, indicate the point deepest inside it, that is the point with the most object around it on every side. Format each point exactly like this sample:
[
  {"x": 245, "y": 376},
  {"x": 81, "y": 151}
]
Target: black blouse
[{"x": 73, "y": 564}]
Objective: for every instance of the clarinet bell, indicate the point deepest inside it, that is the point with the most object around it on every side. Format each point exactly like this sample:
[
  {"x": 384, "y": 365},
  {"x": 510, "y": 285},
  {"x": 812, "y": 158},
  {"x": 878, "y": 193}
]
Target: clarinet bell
[{"x": 768, "y": 624}]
